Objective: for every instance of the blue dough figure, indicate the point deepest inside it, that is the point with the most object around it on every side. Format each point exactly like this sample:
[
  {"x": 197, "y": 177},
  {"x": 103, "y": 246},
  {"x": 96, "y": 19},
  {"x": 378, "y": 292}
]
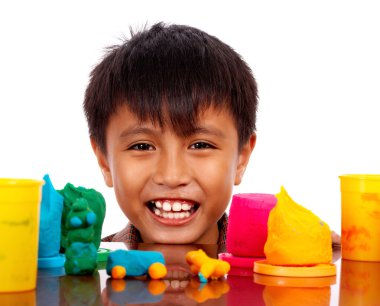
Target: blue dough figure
[
  {"x": 133, "y": 291},
  {"x": 50, "y": 226},
  {"x": 122, "y": 263}
]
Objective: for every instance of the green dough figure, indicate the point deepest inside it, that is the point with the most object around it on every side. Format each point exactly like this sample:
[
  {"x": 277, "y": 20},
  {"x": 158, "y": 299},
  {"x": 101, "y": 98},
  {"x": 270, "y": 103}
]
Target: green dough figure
[
  {"x": 96, "y": 203},
  {"x": 80, "y": 223},
  {"x": 82, "y": 220},
  {"x": 80, "y": 258}
]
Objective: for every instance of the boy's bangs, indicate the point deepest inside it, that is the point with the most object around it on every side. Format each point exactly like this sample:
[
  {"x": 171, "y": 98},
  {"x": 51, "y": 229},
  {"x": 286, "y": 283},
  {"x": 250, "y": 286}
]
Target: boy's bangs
[
  {"x": 176, "y": 108},
  {"x": 174, "y": 82}
]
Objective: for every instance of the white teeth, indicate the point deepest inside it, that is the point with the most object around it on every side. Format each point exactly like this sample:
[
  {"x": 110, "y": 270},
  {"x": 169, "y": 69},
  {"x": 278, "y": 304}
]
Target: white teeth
[
  {"x": 183, "y": 284},
  {"x": 175, "y": 284},
  {"x": 185, "y": 206},
  {"x": 172, "y": 215},
  {"x": 172, "y": 210},
  {"x": 166, "y": 206},
  {"x": 176, "y": 206}
]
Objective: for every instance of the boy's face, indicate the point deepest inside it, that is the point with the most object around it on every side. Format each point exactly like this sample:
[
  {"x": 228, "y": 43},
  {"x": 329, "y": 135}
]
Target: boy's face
[{"x": 173, "y": 189}]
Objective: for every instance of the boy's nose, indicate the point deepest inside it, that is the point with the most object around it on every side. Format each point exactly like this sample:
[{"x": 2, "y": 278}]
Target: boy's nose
[{"x": 172, "y": 170}]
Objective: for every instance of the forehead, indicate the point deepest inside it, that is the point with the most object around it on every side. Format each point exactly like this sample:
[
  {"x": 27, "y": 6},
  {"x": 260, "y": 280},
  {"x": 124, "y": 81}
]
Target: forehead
[{"x": 211, "y": 118}]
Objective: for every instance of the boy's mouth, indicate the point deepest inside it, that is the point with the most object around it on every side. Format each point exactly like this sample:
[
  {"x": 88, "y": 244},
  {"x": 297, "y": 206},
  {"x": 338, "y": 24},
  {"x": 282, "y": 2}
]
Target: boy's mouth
[{"x": 172, "y": 209}]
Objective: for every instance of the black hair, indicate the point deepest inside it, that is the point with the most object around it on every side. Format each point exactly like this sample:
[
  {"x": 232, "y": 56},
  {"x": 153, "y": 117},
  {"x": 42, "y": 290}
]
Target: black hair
[{"x": 172, "y": 70}]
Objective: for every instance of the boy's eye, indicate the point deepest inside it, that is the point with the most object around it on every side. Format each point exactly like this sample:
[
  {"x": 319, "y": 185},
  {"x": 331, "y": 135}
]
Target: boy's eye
[
  {"x": 201, "y": 145},
  {"x": 142, "y": 147}
]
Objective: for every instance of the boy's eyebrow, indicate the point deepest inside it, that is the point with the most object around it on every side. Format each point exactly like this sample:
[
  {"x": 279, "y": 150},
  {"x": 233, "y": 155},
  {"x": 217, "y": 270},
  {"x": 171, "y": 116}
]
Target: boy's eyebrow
[
  {"x": 135, "y": 131},
  {"x": 208, "y": 130},
  {"x": 197, "y": 130}
]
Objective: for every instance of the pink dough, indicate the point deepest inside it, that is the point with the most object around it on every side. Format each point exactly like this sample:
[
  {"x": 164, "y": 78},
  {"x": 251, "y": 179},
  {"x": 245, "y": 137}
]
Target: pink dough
[{"x": 247, "y": 224}]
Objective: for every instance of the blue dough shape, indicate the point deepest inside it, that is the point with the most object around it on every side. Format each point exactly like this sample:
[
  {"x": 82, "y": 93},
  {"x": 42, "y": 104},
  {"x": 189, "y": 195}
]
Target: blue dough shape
[
  {"x": 75, "y": 222},
  {"x": 91, "y": 218},
  {"x": 135, "y": 292},
  {"x": 135, "y": 262},
  {"x": 80, "y": 258},
  {"x": 50, "y": 220},
  {"x": 202, "y": 279}
]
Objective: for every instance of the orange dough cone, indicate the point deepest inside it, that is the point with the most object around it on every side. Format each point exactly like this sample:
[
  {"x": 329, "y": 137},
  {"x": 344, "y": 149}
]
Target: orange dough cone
[{"x": 296, "y": 236}]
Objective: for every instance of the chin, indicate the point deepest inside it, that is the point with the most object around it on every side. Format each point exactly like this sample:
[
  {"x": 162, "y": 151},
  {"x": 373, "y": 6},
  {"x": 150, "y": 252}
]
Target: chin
[{"x": 174, "y": 238}]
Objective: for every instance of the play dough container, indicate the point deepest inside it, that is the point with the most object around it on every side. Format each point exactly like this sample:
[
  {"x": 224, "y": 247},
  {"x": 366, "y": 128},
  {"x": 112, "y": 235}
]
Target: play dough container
[
  {"x": 19, "y": 221},
  {"x": 247, "y": 231},
  {"x": 247, "y": 225},
  {"x": 359, "y": 283},
  {"x": 360, "y": 194}
]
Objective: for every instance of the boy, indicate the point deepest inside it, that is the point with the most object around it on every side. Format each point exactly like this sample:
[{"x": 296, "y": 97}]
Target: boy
[{"x": 171, "y": 115}]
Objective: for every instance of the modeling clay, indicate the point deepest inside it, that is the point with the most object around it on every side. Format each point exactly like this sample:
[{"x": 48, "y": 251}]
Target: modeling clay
[
  {"x": 50, "y": 220},
  {"x": 81, "y": 253},
  {"x": 122, "y": 263},
  {"x": 80, "y": 222},
  {"x": 80, "y": 258},
  {"x": 96, "y": 204},
  {"x": 206, "y": 267},
  {"x": 83, "y": 215},
  {"x": 296, "y": 236},
  {"x": 133, "y": 291},
  {"x": 79, "y": 291},
  {"x": 201, "y": 292}
]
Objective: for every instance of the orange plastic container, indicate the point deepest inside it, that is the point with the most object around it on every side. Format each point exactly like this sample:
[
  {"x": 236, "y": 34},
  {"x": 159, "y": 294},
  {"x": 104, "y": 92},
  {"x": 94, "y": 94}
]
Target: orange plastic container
[
  {"x": 359, "y": 283},
  {"x": 360, "y": 194}
]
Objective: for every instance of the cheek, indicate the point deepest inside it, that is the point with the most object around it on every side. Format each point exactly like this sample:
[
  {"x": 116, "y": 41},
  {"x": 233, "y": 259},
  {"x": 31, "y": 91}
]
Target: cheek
[
  {"x": 128, "y": 181},
  {"x": 217, "y": 178}
]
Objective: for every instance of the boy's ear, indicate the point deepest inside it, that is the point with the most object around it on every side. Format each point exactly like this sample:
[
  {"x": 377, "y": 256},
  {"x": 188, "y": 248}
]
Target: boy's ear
[
  {"x": 103, "y": 163},
  {"x": 244, "y": 156}
]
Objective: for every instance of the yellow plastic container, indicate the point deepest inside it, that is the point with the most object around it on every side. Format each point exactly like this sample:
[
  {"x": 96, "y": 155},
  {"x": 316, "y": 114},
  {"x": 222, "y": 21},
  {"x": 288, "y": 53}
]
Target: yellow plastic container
[
  {"x": 360, "y": 194},
  {"x": 19, "y": 223},
  {"x": 27, "y": 298},
  {"x": 359, "y": 283}
]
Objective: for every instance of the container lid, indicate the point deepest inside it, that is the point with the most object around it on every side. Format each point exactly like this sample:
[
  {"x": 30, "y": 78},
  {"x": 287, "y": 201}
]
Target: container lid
[
  {"x": 14, "y": 190},
  {"x": 51, "y": 262},
  {"x": 263, "y": 267},
  {"x": 236, "y": 261},
  {"x": 364, "y": 183},
  {"x": 102, "y": 254},
  {"x": 17, "y": 182},
  {"x": 300, "y": 282}
]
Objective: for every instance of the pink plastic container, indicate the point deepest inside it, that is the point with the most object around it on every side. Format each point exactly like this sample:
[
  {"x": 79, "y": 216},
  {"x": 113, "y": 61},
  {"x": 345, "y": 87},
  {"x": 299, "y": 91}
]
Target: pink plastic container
[{"x": 247, "y": 224}]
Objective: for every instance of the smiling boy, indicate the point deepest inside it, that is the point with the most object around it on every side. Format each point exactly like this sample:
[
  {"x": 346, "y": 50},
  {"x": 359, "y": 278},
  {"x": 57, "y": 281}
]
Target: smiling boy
[{"x": 171, "y": 115}]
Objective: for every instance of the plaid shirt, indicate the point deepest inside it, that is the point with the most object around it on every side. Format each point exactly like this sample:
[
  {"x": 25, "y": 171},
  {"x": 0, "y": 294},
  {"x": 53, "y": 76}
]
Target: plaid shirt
[{"x": 130, "y": 235}]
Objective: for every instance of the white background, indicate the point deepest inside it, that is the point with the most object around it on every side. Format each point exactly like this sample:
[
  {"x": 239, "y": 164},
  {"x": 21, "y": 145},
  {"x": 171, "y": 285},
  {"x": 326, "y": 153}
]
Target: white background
[{"x": 317, "y": 64}]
